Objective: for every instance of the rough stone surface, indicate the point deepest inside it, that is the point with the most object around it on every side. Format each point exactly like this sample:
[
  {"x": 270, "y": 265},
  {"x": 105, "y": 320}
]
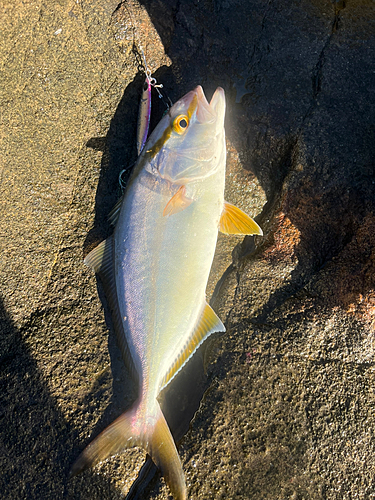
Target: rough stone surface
[{"x": 290, "y": 410}]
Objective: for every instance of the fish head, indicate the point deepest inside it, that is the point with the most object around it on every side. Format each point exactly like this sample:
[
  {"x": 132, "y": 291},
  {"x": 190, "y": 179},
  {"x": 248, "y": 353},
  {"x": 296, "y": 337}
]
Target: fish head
[{"x": 188, "y": 144}]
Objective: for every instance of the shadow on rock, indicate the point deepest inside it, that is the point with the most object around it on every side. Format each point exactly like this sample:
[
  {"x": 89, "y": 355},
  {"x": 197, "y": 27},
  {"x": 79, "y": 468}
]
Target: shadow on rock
[{"x": 36, "y": 442}]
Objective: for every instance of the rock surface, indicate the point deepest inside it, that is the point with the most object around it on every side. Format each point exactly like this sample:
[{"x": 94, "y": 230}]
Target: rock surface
[{"x": 290, "y": 410}]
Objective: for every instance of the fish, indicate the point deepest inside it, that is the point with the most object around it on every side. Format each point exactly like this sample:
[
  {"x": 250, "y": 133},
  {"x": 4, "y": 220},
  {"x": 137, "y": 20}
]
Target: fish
[{"x": 155, "y": 269}]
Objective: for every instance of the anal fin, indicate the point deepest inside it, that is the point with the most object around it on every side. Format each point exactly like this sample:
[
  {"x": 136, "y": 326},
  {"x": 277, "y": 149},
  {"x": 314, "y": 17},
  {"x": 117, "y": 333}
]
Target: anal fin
[
  {"x": 234, "y": 221},
  {"x": 208, "y": 323}
]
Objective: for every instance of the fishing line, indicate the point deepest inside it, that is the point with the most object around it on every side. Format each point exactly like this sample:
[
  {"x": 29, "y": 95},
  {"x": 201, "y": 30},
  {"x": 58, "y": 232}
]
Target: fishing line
[
  {"x": 151, "y": 81},
  {"x": 142, "y": 63}
]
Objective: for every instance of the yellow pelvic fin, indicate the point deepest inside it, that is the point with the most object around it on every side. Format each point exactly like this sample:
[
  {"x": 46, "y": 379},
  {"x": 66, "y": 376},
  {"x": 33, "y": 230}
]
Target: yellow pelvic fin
[
  {"x": 234, "y": 221},
  {"x": 208, "y": 323},
  {"x": 150, "y": 432},
  {"x": 177, "y": 203}
]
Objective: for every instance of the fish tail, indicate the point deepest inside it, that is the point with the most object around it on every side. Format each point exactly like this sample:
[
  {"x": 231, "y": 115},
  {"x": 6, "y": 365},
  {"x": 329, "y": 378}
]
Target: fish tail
[{"x": 150, "y": 432}]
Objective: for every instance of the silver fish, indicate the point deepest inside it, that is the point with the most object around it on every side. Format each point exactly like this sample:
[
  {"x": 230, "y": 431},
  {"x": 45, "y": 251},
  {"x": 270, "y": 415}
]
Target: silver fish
[{"x": 156, "y": 265}]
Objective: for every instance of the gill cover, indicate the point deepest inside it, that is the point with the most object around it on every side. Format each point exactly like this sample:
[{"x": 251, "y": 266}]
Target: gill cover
[{"x": 188, "y": 148}]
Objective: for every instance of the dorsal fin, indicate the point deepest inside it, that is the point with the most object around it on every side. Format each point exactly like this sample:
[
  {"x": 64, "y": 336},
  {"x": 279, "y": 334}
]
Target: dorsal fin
[
  {"x": 115, "y": 212},
  {"x": 100, "y": 258},
  {"x": 207, "y": 324},
  {"x": 101, "y": 261},
  {"x": 234, "y": 221}
]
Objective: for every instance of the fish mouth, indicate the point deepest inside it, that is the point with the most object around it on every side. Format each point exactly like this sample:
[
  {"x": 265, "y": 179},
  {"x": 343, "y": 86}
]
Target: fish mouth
[
  {"x": 217, "y": 104},
  {"x": 213, "y": 111},
  {"x": 205, "y": 112},
  {"x": 193, "y": 158}
]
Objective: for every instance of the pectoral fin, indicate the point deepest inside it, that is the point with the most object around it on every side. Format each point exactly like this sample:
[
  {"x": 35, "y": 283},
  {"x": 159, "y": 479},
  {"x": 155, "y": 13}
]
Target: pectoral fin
[
  {"x": 177, "y": 203},
  {"x": 234, "y": 221},
  {"x": 207, "y": 324}
]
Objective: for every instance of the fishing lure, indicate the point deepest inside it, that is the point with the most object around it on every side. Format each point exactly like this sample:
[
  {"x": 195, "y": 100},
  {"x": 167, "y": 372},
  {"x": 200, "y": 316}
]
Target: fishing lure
[
  {"x": 144, "y": 115},
  {"x": 144, "y": 112}
]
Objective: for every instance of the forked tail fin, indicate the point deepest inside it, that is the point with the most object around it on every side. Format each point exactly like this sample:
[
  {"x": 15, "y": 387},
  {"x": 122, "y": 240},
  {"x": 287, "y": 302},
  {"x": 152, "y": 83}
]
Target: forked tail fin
[{"x": 151, "y": 433}]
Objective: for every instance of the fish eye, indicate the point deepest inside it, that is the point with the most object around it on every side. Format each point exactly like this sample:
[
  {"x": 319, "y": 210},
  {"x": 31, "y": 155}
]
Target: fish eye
[{"x": 180, "y": 124}]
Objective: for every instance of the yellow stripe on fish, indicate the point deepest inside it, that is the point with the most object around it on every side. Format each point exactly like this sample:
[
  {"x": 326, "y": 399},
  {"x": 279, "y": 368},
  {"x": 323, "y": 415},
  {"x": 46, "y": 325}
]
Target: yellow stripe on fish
[{"x": 174, "y": 126}]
